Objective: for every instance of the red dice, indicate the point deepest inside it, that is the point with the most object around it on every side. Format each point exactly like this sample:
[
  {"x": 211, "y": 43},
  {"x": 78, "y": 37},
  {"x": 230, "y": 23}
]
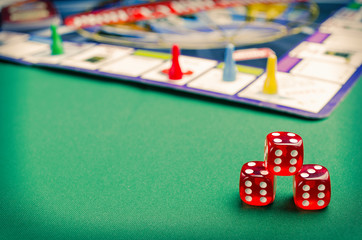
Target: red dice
[
  {"x": 312, "y": 187},
  {"x": 283, "y": 153},
  {"x": 283, "y": 156},
  {"x": 257, "y": 185}
]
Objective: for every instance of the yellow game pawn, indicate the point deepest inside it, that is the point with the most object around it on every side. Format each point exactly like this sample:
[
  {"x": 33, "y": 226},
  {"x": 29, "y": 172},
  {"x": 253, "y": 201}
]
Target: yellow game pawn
[
  {"x": 270, "y": 84},
  {"x": 269, "y": 11}
]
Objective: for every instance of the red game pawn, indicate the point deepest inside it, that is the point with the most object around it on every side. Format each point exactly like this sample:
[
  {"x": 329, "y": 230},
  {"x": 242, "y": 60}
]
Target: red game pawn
[
  {"x": 175, "y": 72},
  {"x": 257, "y": 185},
  {"x": 283, "y": 153},
  {"x": 312, "y": 187}
]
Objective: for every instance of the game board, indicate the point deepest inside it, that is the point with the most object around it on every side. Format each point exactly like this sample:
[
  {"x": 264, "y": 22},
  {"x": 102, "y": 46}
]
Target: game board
[
  {"x": 312, "y": 78},
  {"x": 194, "y": 24}
]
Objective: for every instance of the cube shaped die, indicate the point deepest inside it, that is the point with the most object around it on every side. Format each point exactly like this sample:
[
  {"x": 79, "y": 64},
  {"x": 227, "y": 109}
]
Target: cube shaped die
[
  {"x": 312, "y": 187},
  {"x": 257, "y": 186},
  {"x": 283, "y": 153}
]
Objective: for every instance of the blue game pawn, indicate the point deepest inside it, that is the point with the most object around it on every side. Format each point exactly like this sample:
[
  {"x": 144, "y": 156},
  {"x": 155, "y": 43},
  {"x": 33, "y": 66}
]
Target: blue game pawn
[{"x": 229, "y": 73}]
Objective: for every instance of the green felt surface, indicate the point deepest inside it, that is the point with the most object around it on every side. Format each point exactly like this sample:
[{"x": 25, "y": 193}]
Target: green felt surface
[{"x": 84, "y": 158}]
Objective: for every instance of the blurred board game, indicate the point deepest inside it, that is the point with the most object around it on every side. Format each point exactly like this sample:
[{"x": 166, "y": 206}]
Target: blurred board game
[{"x": 311, "y": 79}]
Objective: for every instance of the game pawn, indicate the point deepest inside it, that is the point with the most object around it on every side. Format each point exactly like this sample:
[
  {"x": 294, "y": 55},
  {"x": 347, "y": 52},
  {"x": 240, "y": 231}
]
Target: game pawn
[
  {"x": 270, "y": 84},
  {"x": 57, "y": 43},
  {"x": 175, "y": 72},
  {"x": 229, "y": 73}
]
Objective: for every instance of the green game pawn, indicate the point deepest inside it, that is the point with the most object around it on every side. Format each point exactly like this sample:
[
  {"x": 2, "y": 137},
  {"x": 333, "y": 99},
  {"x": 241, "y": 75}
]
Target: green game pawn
[
  {"x": 354, "y": 5},
  {"x": 57, "y": 44}
]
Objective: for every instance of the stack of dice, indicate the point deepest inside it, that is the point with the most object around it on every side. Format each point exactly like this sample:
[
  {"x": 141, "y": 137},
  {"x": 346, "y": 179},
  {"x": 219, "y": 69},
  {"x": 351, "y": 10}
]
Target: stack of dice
[{"x": 283, "y": 156}]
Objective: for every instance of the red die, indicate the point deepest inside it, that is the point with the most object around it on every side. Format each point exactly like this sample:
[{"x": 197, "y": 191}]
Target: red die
[
  {"x": 256, "y": 186},
  {"x": 283, "y": 153},
  {"x": 312, "y": 187}
]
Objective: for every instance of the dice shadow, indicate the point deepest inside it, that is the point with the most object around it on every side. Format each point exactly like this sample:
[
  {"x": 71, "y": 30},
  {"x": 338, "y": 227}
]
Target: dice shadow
[
  {"x": 290, "y": 206},
  {"x": 286, "y": 206}
]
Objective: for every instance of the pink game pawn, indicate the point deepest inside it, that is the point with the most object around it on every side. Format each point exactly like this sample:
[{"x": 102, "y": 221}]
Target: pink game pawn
[{"x": 175, "y": 72}]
